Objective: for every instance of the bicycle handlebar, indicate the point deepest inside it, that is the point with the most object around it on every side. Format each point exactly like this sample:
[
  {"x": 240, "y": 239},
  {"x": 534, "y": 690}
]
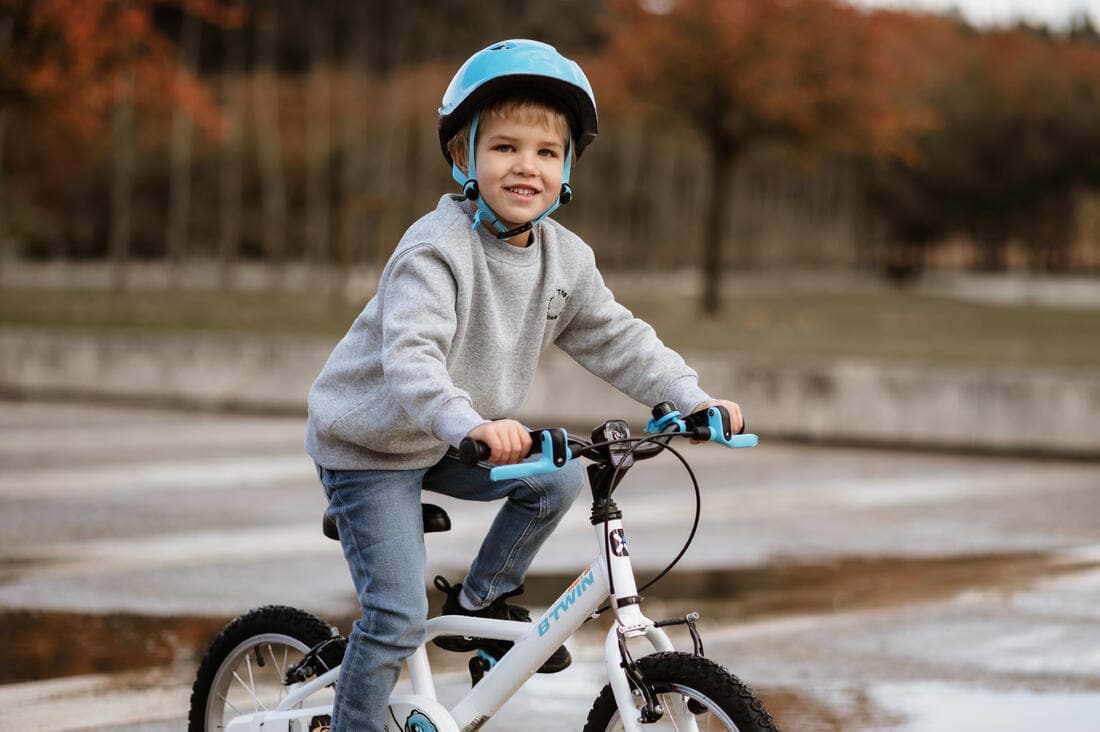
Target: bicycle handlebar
[{"x": 553, "y": 445}]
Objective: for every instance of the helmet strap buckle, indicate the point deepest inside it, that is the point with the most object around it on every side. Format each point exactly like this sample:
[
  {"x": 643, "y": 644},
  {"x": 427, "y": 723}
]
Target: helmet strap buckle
[{"x": 566, "y": 194}]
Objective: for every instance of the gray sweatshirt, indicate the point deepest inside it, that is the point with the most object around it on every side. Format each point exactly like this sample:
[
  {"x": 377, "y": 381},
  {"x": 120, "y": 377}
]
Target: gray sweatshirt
[{"x": 453, "y": 336}]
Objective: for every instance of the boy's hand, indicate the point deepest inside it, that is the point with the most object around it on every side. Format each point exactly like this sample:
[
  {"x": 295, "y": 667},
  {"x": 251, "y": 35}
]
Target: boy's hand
[
  {"x": 737, "y": 422},
  {"x": 508, "y": 440}
]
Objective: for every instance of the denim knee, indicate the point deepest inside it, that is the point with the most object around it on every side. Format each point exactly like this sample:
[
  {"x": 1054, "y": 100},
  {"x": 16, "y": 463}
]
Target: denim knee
[
  {"x": 562, "y": 487},
  {"x": 398, "y": 628},
  {"x": 394, "y": 613}
]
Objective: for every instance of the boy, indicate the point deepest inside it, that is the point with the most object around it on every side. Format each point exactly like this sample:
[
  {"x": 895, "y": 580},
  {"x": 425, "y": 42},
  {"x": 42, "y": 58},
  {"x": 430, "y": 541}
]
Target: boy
[{"x": 447, "y": 348}]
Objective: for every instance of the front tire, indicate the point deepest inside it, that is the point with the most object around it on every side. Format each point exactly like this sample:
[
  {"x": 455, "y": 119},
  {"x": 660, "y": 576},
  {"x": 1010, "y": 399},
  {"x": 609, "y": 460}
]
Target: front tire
[
  {"x": 689, "y": 685},
  {"x": 243, "y": 670}
]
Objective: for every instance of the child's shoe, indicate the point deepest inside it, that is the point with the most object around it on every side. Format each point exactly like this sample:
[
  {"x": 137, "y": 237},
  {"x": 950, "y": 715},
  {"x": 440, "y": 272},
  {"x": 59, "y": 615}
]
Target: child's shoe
[{"x": 498, "y": 609}]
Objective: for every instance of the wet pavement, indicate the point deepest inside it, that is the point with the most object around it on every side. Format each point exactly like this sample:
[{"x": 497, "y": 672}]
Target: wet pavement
[{"x": 854, "y": 589}]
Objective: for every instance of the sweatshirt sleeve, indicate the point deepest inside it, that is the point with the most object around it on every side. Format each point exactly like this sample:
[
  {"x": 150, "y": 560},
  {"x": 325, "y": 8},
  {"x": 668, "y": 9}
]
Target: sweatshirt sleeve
[
  {"x": 418, "y": 325},
  {"x": 606, "y": 338}
]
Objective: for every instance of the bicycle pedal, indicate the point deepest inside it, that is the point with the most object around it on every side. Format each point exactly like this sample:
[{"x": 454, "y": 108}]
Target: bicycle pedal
[
  {"x": 326, "y": 655},
  {"x": 479, "y": 664},
  {"x": 322, "y": 723}
]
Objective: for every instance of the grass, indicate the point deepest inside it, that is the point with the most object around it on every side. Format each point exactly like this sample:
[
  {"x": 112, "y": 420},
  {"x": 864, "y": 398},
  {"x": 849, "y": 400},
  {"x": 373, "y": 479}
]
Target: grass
[
  {"x": 176, "y": 310},
  {"x": 877, "y": 323},
  {"x": 890, "y": 325}
]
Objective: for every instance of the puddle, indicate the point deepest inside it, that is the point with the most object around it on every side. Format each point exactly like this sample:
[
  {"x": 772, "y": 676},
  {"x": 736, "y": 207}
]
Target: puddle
[
  {"x": 933, "y": 707},
  {"x": 15, "y": 567},
  {"x": 796, "y": 711},
  {"x": 43, "y": 645},
  {"x": 37, "y": 645},
  {"x": 783, "y": 588}
]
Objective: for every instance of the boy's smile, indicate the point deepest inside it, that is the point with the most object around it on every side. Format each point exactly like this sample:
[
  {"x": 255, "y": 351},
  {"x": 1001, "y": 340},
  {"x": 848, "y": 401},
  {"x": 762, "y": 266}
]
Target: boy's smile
[{"x": 519, "y": 170}]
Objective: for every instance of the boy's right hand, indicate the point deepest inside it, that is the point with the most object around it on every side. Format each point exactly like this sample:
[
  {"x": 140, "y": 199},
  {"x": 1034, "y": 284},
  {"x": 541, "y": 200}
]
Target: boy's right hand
[{"x": 508, "y": 440}]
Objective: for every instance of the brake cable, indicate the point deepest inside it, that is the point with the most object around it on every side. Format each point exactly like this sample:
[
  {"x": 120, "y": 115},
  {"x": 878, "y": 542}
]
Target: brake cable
[{"x": 638, "y": 442}]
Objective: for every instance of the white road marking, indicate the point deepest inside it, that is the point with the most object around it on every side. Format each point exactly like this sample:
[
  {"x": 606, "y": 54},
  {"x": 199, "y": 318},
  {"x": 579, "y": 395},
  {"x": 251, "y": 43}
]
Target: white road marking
[{"x": 196, "y": 474}]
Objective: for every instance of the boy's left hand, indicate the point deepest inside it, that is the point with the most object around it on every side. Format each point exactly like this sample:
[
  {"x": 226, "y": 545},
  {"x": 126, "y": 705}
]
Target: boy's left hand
[{"x": 737, "y": 421}]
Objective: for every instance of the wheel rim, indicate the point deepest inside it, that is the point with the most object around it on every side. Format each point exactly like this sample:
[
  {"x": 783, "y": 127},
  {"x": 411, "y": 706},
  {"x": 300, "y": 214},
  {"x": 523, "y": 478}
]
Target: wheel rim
[
  {"x": 706, "y": 714},
  {"x": 251, "y": 677}
]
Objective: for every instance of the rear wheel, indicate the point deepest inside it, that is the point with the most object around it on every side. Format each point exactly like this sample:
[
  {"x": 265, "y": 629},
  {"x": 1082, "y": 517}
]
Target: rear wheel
[
  {"x": 690, "y": 689},
  {"x": 244, "y": 668}
]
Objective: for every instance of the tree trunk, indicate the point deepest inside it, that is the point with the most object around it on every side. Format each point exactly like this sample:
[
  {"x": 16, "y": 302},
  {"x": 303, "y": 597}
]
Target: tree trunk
[
  {"x": 352, "y": 222},
  {"x": 5, "y": 40},
  {"x": 122, "y": 180},
  {"x": 230, "y": 174},
  {"x": 269, "y": 148},
  {"x": 723, "y": 156},
  {"x": 3, "y": 196},
  {"x": 179, "y": 213},
  {"x": 390, "y": 176},
  {"x": 318, "y": 146}
]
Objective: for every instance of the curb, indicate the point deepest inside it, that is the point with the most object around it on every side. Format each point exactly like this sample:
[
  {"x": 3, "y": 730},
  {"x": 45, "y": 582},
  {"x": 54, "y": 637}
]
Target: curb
[{"x": 837, "y": 401}]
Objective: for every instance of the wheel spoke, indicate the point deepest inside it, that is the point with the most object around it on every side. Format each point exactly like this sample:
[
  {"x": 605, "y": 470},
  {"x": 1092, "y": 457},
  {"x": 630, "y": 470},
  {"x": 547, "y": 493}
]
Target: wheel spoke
[
  {"x": 255, "y": 694},
  {"x": 281, "y": 668},
  {"x": 251, "y": 682},
  {"x": 257, "y": 705},
  {"x": 250, "y": 687},
  {"x": 671, "y": 714},
  {"x": 673, "y": 707},
  {"x": 230, "y": 704}
]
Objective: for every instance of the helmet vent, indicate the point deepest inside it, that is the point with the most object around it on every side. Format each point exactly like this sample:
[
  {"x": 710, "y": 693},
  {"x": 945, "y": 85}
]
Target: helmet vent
[{"x": 501, "y": 46}]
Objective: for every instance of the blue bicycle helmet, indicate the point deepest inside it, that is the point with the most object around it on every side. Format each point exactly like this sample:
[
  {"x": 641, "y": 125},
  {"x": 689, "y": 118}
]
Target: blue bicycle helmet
[{"x": 524, "y": 67}]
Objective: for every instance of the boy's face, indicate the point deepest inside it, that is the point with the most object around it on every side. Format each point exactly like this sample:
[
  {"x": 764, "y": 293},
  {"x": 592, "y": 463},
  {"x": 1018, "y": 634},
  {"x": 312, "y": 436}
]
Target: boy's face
[{"x": 519, "y": 169}]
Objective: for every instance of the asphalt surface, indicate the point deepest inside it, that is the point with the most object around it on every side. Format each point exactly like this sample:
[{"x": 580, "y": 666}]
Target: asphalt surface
[{"x": 854, "y": 589}]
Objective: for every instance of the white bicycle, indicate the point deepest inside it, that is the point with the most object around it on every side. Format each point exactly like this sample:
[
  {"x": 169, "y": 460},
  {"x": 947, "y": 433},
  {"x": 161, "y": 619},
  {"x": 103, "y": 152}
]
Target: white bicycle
[{"x": 269, "y": 669}]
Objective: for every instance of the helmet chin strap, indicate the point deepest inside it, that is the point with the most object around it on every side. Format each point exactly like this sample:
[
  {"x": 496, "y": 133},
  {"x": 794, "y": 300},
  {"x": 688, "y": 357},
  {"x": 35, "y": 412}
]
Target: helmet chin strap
[{"x": 484, "y": 212}]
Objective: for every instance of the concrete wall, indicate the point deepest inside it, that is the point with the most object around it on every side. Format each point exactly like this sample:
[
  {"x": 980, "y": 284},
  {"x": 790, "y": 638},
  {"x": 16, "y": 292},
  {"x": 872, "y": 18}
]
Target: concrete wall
[
  {"x": 843, "y": 400},
  {"x": 875, "y": 403}
]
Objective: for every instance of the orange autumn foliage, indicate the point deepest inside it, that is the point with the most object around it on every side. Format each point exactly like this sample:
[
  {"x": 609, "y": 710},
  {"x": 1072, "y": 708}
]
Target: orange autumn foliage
[
  {"x": 68, "y": 62},
  {"x": 814, "y": 73},
  {"x": 1018, "y": 114}
]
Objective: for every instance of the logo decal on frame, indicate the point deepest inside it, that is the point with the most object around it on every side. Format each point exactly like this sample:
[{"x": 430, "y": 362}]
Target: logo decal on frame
[{"x": 618, "y": 543}]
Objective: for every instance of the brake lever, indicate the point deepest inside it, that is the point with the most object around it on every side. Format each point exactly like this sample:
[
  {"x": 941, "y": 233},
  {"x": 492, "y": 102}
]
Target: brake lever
[
  {"x": 555, "y": 453},
  {"x": 714, "y": 425}
]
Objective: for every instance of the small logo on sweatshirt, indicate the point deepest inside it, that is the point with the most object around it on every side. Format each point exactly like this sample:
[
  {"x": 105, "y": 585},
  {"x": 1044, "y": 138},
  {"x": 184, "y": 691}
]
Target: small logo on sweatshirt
[{"x": 556, "y": 304}]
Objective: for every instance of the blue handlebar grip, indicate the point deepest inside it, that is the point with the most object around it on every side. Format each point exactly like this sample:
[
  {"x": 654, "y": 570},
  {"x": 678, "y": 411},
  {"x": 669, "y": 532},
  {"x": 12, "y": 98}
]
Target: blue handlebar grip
[
  {"x": 547, "y": 461},
  {"x": 718, "y": 432},
  {"x": 749, "y": 440},
  {"x": 519, "y": 470}
]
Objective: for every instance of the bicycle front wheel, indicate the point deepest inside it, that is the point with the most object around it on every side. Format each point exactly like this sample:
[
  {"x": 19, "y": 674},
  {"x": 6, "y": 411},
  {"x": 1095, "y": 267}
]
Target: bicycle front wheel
[
  {"x": 244, "y": 668},
  {"x": 688, "y": 687}
]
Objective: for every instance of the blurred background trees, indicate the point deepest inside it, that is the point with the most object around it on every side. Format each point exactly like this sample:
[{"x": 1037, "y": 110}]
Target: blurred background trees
[
  {"x": 300, "y": 137},
  {"x": 1008, "y": 164},
  {"x": 806, "y": 76}
]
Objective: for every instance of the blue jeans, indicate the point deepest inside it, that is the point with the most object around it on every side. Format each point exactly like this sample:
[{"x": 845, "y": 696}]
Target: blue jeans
[{"x": 381, "y": 530}]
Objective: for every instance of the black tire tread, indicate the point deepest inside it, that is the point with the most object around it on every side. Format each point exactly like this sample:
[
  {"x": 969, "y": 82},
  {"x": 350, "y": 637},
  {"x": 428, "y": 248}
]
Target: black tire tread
[
  {"x": 283, "y": 619},
  {"x": 695, "y": 672}
]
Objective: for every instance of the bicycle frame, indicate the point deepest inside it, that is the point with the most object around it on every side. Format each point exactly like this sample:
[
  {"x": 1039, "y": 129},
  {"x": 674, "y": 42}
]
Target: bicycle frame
[
  {"x": 609, "y": 576},
  {"x": 534, "y": 643}
]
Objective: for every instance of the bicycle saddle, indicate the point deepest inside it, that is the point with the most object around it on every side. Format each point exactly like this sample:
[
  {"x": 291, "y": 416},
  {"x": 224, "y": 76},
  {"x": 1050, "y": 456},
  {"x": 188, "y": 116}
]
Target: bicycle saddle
[{"x": 435, "y": 519}]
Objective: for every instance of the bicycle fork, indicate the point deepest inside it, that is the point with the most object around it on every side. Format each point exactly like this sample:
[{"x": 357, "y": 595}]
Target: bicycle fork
[{"x": 624, "y": 676}]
